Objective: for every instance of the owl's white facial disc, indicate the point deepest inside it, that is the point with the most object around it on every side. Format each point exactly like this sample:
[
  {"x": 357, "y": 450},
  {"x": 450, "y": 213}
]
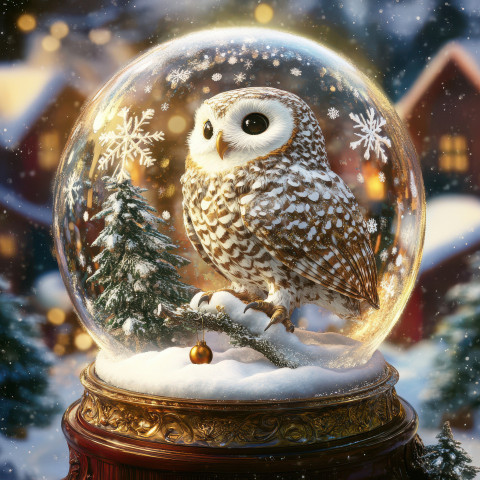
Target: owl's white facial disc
[{"x": 242, "y": 146}]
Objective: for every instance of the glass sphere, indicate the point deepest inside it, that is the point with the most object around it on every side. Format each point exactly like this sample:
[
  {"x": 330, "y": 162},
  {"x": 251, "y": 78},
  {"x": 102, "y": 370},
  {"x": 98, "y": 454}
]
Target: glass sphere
[{"x": 312, "y": 174}]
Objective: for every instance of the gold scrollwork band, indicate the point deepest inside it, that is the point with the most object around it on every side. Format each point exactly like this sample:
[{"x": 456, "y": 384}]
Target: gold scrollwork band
[{"x": 239, "y": 424}]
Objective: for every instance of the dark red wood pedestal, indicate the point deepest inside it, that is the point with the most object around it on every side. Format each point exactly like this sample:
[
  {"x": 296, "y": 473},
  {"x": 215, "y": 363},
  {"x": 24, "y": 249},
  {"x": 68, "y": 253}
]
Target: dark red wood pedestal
[{"x": 389, "y": 452}]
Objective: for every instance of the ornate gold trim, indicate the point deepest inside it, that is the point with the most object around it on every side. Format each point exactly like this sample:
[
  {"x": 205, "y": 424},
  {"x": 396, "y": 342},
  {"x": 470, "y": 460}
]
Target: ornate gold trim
[{"x": 239, "y": 424}]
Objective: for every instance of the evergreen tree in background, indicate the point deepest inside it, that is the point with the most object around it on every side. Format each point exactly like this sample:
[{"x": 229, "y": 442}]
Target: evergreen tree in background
[
  {"x": 455, "y": 382},
  {"x": 137, "y": 269},
  {"x": 447, "y": 460},
  {"x": 24, "y": 362}
]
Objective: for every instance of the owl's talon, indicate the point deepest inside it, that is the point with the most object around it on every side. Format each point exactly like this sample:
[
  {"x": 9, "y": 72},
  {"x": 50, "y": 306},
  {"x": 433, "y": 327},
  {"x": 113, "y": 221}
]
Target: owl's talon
[
  {"x": 204, "y": 298},
  {"x": 251, "y": 305}
]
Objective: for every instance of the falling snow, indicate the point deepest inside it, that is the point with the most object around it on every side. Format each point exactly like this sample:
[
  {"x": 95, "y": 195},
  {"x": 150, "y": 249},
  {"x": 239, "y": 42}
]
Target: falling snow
[
  {"x": 164, "y": 107},
  {"x": 370, "y": 134},
  {"x": 216, "y": 77},
  {"x": 381, "y": 177},
  {"x": 383, "y": 255},
  {"x": 371, "y": 225},
  {"x": 333, "y": 113},
  {"x": 239, "y": 77},
  {"x": 128, "y": 143},
  {"x": 179, "y": 75},
  {"x": 296, "y": 72}
]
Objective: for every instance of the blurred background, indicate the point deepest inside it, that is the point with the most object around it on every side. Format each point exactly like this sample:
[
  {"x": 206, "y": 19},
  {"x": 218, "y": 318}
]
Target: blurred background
[{"x": 56, "y": 55}]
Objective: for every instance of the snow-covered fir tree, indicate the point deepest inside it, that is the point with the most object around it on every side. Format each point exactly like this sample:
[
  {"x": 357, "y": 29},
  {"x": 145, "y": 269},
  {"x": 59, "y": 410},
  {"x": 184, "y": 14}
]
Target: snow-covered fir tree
[
  {"x": 447, "y": 460},
  {"x": 25, "y": 399},
  {"x": 137, "y": 267},
  {"x": 455, "y": 379}
]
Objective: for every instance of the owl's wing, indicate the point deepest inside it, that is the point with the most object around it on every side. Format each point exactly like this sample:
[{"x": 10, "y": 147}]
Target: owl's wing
[
  {"x": 310, "y": 221},
  {"x": 195, "y": 241}
]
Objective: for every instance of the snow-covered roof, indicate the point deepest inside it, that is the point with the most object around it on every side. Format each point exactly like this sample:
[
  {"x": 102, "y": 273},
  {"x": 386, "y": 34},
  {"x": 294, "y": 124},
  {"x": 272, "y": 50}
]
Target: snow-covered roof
[
  {"x": 11, "y": 200},
  {"x": 25, "y": 92},
  {"x": 453, "y": 225},
  {"x": 464, "y": 53}
]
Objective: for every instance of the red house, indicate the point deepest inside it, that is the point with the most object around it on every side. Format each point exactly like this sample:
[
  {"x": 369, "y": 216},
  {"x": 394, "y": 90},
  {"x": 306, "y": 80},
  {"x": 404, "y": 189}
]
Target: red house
[{"x": 442, "y": 112}]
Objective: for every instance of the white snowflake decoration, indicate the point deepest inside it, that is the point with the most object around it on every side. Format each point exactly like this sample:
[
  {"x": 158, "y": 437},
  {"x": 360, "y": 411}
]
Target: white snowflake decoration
[
  {"x": 276, "y": 62},
  {"x": 394, "y": 250},
  {"x": 128, "y": 143},
  {"x": 383, "y": 255},
  {"x": 333, "y": 113},
  {"x": 166, "y": 215},
  {"x": 248, "y": 64},
  {"x": 232, "y": 60},
  {"x": 147, "y": 89},
  {"x": 179, "y": 75},
  {"x": 72, "y": 191},
  {"x": 296, "y": 72},
  {"x": 381, "y": 177},
  {"x": 164, "y": 107},
  {"x": 399, "y": 260},
  {"x": 239, "y": 77},
  {"x": 370, "y": 134},
  {"x": 360, "y": 178},
  {"x": 371, "y": 225},
  {"x": 216, "y": 77},
  {"x": 388, "y": 285}
]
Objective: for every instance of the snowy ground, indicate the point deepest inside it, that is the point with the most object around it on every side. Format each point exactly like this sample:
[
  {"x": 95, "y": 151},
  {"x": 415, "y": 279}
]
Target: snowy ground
[{"x": 44, "y": 456}]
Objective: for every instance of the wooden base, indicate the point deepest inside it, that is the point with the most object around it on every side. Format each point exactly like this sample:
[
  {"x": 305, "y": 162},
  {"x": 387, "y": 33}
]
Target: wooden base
[{"x": 103, "y": 448}]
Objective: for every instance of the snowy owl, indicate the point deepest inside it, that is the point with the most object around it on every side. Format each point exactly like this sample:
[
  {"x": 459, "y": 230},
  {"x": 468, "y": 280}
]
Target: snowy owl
[{"x": 263, "y": 208}]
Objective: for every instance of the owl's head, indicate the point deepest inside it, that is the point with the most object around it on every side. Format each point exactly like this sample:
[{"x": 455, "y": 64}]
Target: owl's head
[{"x": 238, "y": 126}]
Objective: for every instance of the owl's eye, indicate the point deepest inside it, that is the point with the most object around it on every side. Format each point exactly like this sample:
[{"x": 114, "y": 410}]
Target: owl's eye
[
  {"x": 255, "y": 123},
  {"x": 207, "y": 130}
]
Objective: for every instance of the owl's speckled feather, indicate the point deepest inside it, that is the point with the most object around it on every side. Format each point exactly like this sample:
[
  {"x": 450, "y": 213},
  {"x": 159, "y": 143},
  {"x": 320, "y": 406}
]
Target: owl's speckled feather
[{"x": 283, "y": 225}]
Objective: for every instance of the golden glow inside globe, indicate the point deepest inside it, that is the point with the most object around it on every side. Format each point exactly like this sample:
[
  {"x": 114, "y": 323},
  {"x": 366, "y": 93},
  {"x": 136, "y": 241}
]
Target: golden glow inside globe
[{"x": 136, "y": 129}]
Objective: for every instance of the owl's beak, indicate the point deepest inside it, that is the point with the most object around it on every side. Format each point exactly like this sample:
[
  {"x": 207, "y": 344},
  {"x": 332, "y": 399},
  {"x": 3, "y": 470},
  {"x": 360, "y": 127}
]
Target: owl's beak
[{"x": 222, "y": 145}]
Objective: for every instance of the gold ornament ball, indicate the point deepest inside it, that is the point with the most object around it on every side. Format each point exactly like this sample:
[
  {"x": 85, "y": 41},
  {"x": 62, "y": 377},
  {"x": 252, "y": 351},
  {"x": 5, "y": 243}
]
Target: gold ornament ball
[{"x": 201, "y": 353}]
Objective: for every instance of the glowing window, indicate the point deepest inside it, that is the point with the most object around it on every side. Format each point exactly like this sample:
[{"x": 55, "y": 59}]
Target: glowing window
[{"x": 453, "y": 153}]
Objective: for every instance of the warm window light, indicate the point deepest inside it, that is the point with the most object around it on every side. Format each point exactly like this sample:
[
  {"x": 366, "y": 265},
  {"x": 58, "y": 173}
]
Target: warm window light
[
  {"x": 100, "y": 36},
  {"x": 453, "y": 153},
  {"x": 263, "y": 13},
  {"x": 83, "y": 341},
  {"x": 177, "y": 124},
  {"x": 8, "y": 247},
  {"x": 59, "y": 29},
  {"x": 56, "y": 316},
  {"x": 50, "y": 44},
  {"x": 26, "y": 22},
  {"x": 374, "y": 187},
  {"x": 49, "y": 150}
]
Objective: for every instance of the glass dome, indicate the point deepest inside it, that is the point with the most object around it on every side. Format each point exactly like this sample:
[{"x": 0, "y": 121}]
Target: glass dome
[{"x": 254, "y": 163}]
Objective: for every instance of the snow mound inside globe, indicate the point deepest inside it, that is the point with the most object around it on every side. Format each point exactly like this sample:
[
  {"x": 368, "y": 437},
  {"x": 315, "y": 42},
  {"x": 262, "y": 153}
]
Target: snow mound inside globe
[
  {"x": 135, "y": 168},
  {"x": 243, "y": 373}
]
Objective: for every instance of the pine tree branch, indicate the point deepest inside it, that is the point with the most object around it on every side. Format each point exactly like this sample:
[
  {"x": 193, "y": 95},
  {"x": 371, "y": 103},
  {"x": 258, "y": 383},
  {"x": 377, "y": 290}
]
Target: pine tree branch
[{"x": 240, "y": 335}]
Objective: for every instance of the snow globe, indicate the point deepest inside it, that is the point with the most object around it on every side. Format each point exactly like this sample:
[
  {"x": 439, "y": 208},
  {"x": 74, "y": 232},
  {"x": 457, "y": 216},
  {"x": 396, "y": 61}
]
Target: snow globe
[{"x": 239, "y": 218}]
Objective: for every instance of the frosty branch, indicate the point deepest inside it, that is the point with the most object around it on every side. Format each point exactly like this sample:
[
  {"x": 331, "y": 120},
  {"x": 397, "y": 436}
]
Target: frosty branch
[{"x": 240, "y": 335}]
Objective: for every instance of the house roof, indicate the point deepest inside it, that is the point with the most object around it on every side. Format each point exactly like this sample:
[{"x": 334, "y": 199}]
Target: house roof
[
  {"x": 462, "y": 215},
  {"x": 25, "y": 92},
  {"x": 465, "y": 54}
]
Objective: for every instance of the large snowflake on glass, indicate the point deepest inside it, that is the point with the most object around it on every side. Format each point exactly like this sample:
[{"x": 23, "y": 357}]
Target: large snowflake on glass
[
  {"x": 72, "y": 191},
  {"x": 370, "y": 134},
  {"x": 128, "y": 143}
]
